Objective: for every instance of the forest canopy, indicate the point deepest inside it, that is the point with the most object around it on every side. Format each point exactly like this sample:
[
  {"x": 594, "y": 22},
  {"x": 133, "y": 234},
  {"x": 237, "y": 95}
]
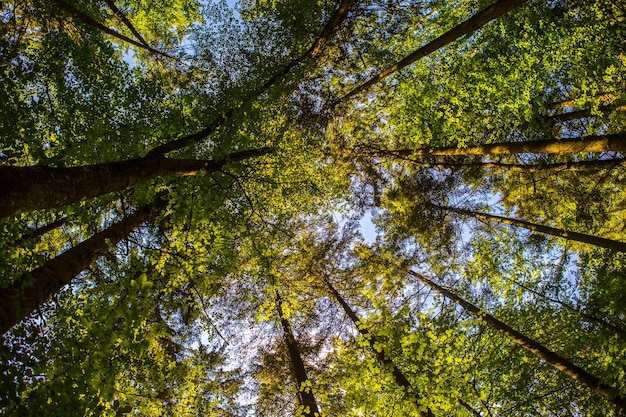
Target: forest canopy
[{"x": 313, "y": 208}]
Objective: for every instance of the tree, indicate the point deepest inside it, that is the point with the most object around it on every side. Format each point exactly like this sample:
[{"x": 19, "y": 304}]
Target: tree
[
  {"x": 542, "y": 352},
  {"x": 401, "y": 380},
  {"x": 73, "y": 11},
  {"x": 24, "y": 296},
  {"x": 605, "y": 143},
  {"x": 586, "y": 165},
  {"x": 168, "y": 167},
  {"x": 579, "y": 237},
  {"x": 494, "y": 11},
  {"x": 307, "y": 399},
  {"x": 37, "y": 187}
]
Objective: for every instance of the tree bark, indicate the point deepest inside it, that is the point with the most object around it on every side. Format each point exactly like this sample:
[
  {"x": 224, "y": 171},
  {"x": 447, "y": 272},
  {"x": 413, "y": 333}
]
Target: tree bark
[
  {"x": 573, "y": 166},
  {"x": 24, "y": 296},
  {"x": 39, "y": 187},
  {"x": 334, "y": 21},
  {"x": 371, "y": 339},
  {"x": 472, "y": 24},
  {"x": 559, "y": 362},
  {"x": 305, "y": 394},
  {"x": 312, "y": 52},
  {"x": 566, "y": 234},
  {"x": 596, "y": 143}
]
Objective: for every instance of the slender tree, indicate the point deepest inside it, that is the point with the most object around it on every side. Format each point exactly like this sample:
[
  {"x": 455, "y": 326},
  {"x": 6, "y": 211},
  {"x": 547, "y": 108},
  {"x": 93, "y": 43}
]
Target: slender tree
[
  {"x": 564, "y": 365},
  {"x": 312, "y": 52},
  {"x": 587, "y": 165},
  {"x": 371, "y": 339},
  {"x": 29, "y": 292},
  {"x": 40, "y": 187},
  {"x": 597, "y": 143},
  {"x": 566, "y": 234},
  {"x": 471, "y": 25},
  {"x": 305, "y": 394}
]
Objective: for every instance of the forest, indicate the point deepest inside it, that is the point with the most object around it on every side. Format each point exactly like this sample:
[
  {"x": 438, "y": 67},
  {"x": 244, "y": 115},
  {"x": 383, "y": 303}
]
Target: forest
[{"x": 349, "y": 208}]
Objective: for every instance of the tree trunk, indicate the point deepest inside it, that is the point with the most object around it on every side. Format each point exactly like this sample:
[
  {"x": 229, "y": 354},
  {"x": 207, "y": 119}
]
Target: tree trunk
[
  {"x": 573, "y": 166},
  {"x": 472, "y": 24},
  {"x": 401, "y": 380},
  {"x": 24, "y": 296},
  {"x": 312, "y": 52},
  {"x": 334, "y": 21},
  {"x": 305, "y": 394},
  {"x": 560, "y": 363},
  {"x": 600, "y": 143},
  {"x": 575, "y": 236},
  {"x": 39, "y": 187}
]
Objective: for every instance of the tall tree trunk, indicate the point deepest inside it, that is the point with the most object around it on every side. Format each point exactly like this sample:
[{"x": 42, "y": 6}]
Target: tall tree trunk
[
  {"x": 312, "y": 52},
  {"x": 332, "y": 24},
  {"x": 399, "y": 377},
  {"x": 39, "y": 187},
  {"x": 559, "y": 362},
  {"x": 25, "y": 295},
  {"x": 472, "y": 24},
  {"x": 597, "y": 143},
  {"x": 574, "y": 166},
  {"x": 305, "y": 394},
  {"x": 566, "y": 234}
]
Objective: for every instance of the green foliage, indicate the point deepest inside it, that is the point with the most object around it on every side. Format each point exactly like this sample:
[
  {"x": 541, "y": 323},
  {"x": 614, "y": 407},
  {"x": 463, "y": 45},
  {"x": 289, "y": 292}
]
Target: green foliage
[{"x": 181, "y": 318}]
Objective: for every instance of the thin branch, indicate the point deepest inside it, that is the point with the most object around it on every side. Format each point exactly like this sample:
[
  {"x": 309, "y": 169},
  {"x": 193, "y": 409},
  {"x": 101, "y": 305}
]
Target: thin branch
[{"x": 204, "y": 310}]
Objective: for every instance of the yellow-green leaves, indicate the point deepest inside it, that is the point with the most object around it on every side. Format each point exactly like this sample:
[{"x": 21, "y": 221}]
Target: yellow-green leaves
[{"x": 141, "y": 282}]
